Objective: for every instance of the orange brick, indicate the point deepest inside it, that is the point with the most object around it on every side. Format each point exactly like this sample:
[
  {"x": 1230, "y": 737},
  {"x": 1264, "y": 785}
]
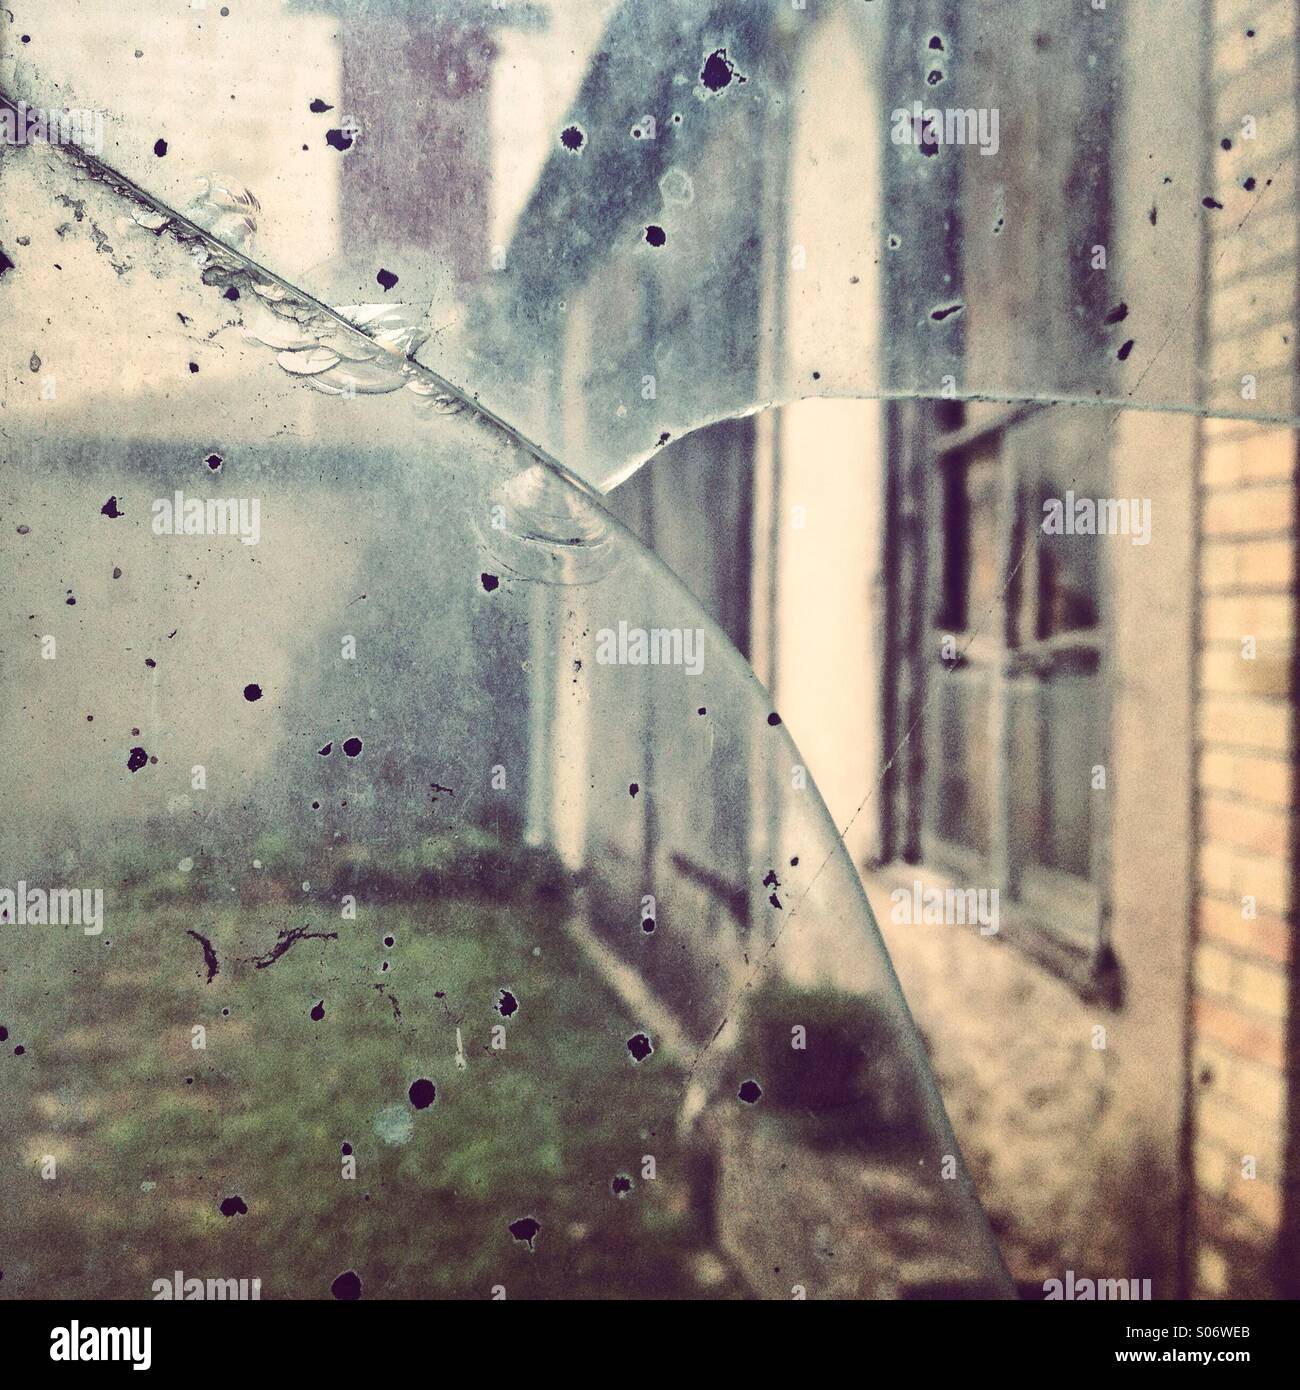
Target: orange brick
[
  {"x": 1218, "y": 1119},
  {"x": 1219, "y": 427},
  {"x": 1268, "y": 456},
  {"x": 1214, "y": 969},
  {"x": 1258, "y": 1040},
  {"x": 1221, "y": 457},
  {"x": 1261, "y": 988},
  {"x": 1247, "y": 565},
  {"x": 1218, "y": 770},
  {"x": 1263, "y": 725},
  {"x": 1228, "y": 618},
  {"x": 1266, "y": 936},
  {"x": 1219, "y": 565},
  {"x": 1254, "y": 511},
  {"x": 1243, "y": 826},
  {"x": 1214, "y": 867},
  {"x": 1261, "y": 1091},
  {"x": 1212, "y": 1066},
  {"x": 1223, "y": 670},
  {"x": 1264, "y": 878},
  {"x": 1262, "y": 778},
  {"x": 1252, "y": 456}
]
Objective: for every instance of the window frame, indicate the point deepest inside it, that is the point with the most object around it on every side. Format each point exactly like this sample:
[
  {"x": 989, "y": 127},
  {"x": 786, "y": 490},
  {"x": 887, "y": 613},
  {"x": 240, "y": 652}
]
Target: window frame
[{"x": 1059, "y": 919}]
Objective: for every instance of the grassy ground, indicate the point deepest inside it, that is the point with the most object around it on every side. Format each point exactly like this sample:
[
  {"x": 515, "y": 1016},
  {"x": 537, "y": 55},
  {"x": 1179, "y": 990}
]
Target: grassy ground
[{"x": 151, "y": 1135}]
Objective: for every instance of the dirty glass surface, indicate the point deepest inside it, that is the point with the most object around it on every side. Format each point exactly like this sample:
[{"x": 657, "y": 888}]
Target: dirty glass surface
[
  {"x": 406, "y": 889},
  {"x": 486, "y": 162},
  {"x": 361, "y": 913}
]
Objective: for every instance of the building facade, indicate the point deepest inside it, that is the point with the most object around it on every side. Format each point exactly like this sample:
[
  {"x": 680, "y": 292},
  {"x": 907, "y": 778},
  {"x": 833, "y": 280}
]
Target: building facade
[{"x": 1091, "y": 718}]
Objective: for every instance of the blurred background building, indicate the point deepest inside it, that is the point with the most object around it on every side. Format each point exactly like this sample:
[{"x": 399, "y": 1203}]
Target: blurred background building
[{"x": 1112, "y": 744}]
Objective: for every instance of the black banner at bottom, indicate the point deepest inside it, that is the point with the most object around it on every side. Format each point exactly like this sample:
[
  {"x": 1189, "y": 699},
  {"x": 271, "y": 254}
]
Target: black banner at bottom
[{"x": 213, "y": 1339}]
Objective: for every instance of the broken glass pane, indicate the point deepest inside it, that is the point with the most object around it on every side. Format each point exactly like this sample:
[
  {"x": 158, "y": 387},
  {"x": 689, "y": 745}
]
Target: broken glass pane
[
  {"x": 407, "y": 889},
  {"x": 686, "y": 211}
]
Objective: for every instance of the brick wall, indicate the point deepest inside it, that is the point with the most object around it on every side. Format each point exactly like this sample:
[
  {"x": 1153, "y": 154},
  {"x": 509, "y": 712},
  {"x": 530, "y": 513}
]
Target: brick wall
[
  {"x": 1241, "y": 992},
  {"x": 1245, "y": 783}
]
